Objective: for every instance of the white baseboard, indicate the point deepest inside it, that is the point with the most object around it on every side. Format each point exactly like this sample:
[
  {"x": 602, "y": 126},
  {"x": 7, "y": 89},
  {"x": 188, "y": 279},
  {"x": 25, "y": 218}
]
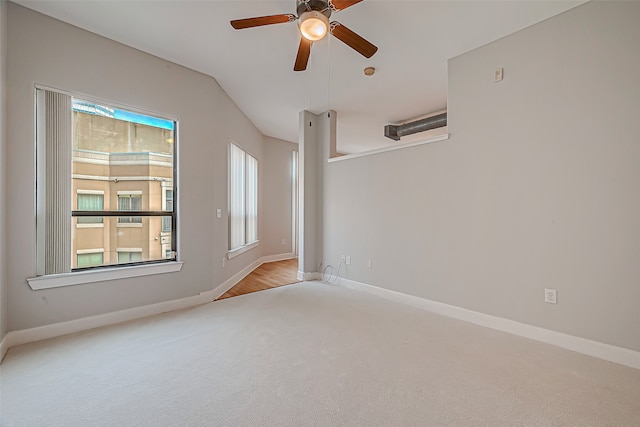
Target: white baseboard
[
  {"x": 63, "y": 328},
  {"x": 78, "y": 325},
  {"x": 306, "y": 277},
  {"x": 4, "y": 347},
  {"x": 274, "y": 258},
  {"x": 233, "y": 280},
  {"x": 622, "y": 356}
]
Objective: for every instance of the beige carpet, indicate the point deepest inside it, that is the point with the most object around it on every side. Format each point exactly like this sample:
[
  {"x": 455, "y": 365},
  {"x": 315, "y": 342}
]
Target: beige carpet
[{"x": 309, "y": 355}]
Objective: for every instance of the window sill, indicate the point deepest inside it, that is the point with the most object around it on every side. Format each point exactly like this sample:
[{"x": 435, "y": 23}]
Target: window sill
[
  {"x": 234, "y": 253},
  {"x": 129, "y": 225},
  {"x": 101, "y": 275},
  {"x": 101, "y": 225}
]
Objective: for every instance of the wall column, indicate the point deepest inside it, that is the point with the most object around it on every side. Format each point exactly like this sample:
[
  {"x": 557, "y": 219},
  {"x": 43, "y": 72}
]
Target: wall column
[{"x": 317, "y": 138}]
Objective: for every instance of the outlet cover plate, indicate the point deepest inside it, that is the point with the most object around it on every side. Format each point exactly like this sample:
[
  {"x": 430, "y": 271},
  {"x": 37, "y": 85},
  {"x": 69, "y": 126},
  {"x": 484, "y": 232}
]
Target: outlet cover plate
[{"x": 550, "y": 296}]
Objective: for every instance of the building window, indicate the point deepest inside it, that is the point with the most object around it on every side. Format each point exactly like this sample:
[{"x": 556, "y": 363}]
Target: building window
[
  {"x": 90, "y": 201},
  {"x": 167, "y": 205},
  {"x": 129, "y": 202},
  {"x": 129, "y": 256},
  {"x": 243, "y": 198},
  {"x": 95, "y": 161},
  {"x": 90, "y": 259}
]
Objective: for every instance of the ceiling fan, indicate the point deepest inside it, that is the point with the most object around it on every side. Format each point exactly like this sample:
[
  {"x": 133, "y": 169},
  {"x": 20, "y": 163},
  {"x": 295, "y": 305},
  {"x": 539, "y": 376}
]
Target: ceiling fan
[{"x": 313, "y": 21}]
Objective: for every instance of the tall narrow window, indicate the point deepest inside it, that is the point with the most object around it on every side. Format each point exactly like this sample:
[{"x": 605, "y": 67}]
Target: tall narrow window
[
  {"x": 94, "y": 162},
  {"x": 243, "y": 198},
  {"x": 167, "y": 205}
]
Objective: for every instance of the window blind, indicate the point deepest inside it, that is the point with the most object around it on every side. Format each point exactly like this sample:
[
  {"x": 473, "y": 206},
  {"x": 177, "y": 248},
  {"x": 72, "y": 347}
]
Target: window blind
[
  {"x": 53, "y": 221},
  {"x": 236, "y": 197}
]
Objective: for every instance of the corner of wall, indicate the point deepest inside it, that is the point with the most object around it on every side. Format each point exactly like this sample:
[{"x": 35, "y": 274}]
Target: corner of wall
[{"x": 3, "y": 139}]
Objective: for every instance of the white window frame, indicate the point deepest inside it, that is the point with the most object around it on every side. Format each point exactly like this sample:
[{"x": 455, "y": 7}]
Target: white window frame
[
  {"x": 247, "y": 245},
  {"x": 111, "y": 272}
]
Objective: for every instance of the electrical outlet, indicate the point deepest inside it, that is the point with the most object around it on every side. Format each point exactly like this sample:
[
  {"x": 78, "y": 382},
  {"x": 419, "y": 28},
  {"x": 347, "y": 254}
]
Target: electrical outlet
[
  {"x": 348, "y": 260},
  {"x": 343, "y": 258},
  {"x": 550, "y": 296},
  {"x": 284, "y": 242},
  {"x": 224, "y": 262},
  {"x": 498, "y": 75},
  {"x": 218, "y": 213}
]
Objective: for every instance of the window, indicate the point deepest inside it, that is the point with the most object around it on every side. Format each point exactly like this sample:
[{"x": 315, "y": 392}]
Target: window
[
  {"x": 243, "y": 199},
  {"x": 129, "y": 256},
  {"x": 94, "y": 162},
  {"x": 90, "y": 201},
  {"x": 167, "y": 205},
  {"x": 129, "y": 202},
  {"x": 90, "y": 258}
]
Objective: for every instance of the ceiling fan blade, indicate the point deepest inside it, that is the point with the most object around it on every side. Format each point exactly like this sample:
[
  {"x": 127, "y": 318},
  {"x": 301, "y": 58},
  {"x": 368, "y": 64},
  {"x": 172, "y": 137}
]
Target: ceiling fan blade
[
  {"x": 353, "y": 40},
  {"x": 240, "y": 24},
  {"x": 339, "y": 5},
  {"x": 303, "y": 55}
]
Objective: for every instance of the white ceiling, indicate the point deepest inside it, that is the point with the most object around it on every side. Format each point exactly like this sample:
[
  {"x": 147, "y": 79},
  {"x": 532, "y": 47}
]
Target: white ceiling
[{"x": 255, "y": 66}]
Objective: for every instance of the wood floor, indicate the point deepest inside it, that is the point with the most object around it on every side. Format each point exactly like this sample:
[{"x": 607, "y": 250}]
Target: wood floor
[{"x": 267, "y": 276}]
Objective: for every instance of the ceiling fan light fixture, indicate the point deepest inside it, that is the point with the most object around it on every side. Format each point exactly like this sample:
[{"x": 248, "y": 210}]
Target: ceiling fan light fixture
[{"x": 313, "y": 25}]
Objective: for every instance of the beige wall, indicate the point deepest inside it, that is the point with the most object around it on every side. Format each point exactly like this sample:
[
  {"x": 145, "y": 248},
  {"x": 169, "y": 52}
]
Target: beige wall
[
  {"x": 536, "y": 188},
  {"x": 45, "y": 51},
  {"x": 92, "y": 132}
]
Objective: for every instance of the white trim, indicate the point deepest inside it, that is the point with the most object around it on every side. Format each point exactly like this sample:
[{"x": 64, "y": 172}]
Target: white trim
[
  {"x": 242, "y": 249},
  {"x": 130, "y": 193},
  {"x": 608, "y": 352},
  {"x": 391, "y": 148},
  {"x": 275, "y": 258},
  {"x": 119, "y": 178},
  {"x": 128, "y": 249},
  {"x": 306, "y": 277},
  {"x": 92, "y": 177},
  {"x": 128, "y": 224},
  {"x": 58, "y": 329},
  {"x": 4, "y": 347},
  {"x": 83, "y": 324},
  {"x": 139, "y": 163},
  {"x": 95, "y": 192},
  {"x": 236, "y": 278},
  {"x": 101, "y": 275},
  {"x": 89, "y": 251},
  {"x": 100, "y": 162},
  {"x": 90, "y": 225}
]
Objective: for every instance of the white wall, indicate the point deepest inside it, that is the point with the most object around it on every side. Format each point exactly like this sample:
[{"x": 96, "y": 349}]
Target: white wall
[
  {"x": 536, "y": 188},
  {"x": 44, "y": 51},
  {"x": 277, "y": 200},
  {"x": 3, "y": 159}
]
